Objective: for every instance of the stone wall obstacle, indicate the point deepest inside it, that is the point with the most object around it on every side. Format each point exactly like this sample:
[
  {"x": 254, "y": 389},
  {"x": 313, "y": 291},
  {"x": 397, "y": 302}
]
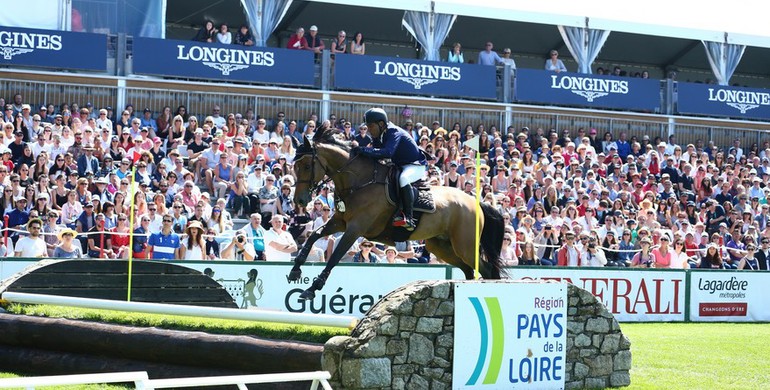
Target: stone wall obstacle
[{"x": 406, "y": 342}]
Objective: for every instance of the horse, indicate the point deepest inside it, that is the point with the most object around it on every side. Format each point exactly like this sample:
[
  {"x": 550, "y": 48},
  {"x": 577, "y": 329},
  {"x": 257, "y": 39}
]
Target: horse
[{"x": 360, "y": 185}]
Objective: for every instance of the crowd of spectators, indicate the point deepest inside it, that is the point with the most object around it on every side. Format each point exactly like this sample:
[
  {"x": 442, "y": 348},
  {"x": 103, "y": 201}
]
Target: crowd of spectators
[{"x": 569, "y": 198}]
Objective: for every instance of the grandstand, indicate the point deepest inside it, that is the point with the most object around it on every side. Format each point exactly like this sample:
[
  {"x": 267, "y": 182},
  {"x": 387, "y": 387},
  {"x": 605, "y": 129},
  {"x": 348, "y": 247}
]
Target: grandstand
[{"x": 155, "y": 64}]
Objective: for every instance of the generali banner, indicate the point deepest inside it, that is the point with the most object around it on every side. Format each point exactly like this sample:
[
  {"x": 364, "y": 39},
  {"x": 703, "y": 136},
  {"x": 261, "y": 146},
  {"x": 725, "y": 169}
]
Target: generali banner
[{"x": 729, "y": 296}]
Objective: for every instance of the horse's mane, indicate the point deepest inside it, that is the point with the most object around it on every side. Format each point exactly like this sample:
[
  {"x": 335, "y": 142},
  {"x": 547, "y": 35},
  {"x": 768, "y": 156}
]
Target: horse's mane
[{"x": 325, "y": 135}]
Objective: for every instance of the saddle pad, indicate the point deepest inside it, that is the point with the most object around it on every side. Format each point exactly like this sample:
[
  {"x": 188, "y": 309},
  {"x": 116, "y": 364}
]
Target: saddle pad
[{"x": 423, "y": 199}]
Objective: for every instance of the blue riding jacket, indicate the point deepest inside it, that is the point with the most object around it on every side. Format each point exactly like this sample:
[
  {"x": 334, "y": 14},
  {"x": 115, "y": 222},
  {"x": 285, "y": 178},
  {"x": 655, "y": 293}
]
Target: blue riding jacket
[{"x": 397, "y": 145}]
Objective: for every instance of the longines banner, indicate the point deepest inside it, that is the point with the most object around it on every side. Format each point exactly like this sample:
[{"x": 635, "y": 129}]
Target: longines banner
[
  {"x": 208, "y": 61},
  {"x": 510, "y": 336},
  {"x": 720, "y": 100},
  {"x": 53, "y": 49},
  {"x": 577, "y": 89},
  {"x": 390, "y": 74}
]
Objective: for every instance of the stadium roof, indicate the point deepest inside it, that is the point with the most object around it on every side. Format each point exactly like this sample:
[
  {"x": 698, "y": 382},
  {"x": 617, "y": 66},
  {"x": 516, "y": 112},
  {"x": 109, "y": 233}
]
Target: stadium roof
[{"x": 663, "y": 34}]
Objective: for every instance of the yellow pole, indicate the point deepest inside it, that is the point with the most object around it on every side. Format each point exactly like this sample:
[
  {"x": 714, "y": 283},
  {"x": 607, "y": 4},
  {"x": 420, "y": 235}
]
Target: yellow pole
[
  {"x": 131, "y": 231},
  {"x": 478, "y": 212}
]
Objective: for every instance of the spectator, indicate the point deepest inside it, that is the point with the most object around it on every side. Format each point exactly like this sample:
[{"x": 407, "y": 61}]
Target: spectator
[
  {"x": 314, "y": 42},
  {"x": 297, "y": 41},
  {"x": 340, "y": 44},
  {"x": 507, "y": 60},
  {"x": 32, "y": 246},
  {"x": 569, "y": 255},
  {"x": 456, "y": 55},
  {"x": 644, "y": 258},
  {"x": 364, "y": 254},
  {"x": 489, "y": 57},
  {"x": 279, "y": 244},
  {"x": 593, "y": 255},
  {"x": 357, "y": 45},
  {"x": 207, "y": 33},
  {"x": 67, "y": 249},
  {"x": 243, "y": 36},
  {"x": 554, "y": 64},
  {"x": 165, "y": 244},
  {"x": 193, "y": 247},
  {"x": 224, "y": 36}
]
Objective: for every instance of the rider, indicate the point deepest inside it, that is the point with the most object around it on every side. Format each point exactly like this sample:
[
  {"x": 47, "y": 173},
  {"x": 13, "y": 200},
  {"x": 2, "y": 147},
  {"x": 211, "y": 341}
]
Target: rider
[{"x": 393, "y": 142}]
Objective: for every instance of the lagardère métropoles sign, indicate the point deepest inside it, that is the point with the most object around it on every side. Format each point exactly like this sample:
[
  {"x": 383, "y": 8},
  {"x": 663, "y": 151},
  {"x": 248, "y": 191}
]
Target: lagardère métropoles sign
[
  {"x": 723, "y": 101},
  {"x": 224, "y": 62},
  {"x": 409, "y": 76},
  {"x": 575, "y": 89},
  {"x": 53, "y": 49}
]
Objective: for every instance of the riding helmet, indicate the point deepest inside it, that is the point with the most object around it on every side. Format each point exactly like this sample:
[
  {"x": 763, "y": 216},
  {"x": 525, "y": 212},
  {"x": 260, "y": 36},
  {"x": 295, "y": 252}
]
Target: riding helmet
[{"x": 374, "y": 115}]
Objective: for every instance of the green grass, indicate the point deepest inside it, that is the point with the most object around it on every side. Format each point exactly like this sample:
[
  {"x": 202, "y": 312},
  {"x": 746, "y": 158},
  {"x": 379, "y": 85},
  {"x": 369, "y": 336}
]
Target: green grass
[
  {"x": 699, "y": 356},
  {"x": 313, "y": 334},
  {"x": 665, "y": 355}
]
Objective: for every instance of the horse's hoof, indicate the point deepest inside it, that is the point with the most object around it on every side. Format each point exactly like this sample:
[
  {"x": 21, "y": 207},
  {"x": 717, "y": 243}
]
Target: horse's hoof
[
  {"x": 295, "y": 275},
  {"x": 307, "y": 295}
]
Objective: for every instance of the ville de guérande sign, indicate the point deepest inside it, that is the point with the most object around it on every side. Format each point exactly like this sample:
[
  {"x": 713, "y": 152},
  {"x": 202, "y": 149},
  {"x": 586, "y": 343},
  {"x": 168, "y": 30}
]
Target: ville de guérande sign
[
  {"x": 53, "y": 49},
  {"x": 206, "y": 61}
]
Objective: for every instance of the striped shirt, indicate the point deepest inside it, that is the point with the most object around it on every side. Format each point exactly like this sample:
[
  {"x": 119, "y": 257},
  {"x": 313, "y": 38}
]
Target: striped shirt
[{"x": 163, "y": 247}]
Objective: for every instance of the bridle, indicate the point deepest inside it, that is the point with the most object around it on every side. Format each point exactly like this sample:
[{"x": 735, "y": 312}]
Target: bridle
[{"x": 329, "y": 173}]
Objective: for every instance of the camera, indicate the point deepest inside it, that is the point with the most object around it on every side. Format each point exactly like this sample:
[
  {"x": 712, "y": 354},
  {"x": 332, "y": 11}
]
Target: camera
[
  {"x": 240, "y": 239},
  {"x": 591, "y": 246}
]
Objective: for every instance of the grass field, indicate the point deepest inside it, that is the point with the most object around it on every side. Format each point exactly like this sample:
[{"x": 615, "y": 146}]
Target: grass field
[{"x": 665, "y": 355}]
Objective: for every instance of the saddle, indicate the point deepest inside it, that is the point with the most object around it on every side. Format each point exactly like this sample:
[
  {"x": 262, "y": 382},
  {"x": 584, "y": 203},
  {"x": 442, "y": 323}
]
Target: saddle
[{"x": 423, "y": 199}]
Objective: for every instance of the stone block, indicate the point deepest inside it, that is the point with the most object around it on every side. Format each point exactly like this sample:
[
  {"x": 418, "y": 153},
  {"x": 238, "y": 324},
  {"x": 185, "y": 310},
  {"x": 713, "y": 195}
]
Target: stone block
[
  {"x": 398, "y": 384},
  {"x": 571, "y": 311},
  {"x": 597, "y": 325},
  {"x": 440, "y": 362},
  {"x": 404, "y": 307},
  {"x": 596, "y": 340},
  {"x": 375, "y": 347},
  {"x": 588, "y": 352},
  {"x": 580, "y": 371},
  {"x": 363, "y": 373},
  {"x": 622, "y": 361},
  {"x": 438, "y": 385},
  {"x": 573, "y": 301},
  {"x": 420, "y": 349},
  {"x": 404, "y": 369},
  {"x": 582, "y": 340},
  {"x": 595, "y": 383},
  {"x": 426, "y": 307},
  {"x": 599, "y": 366},
  {"x": 396, "y": 347},
  {"x": 625, "y": 343},
  {"x": 434, "y": 373},
  {"x": 441, "y": 291},
  {"x": 611, "y": 343},
  {"x": 620, "y": 379},
  {"x": 417, "y": 382},
  {"x": 573, "y": 385},
  {"x": 445, "y": 340},
  {"x": 389, "y": 325},
  {"x": 429, "y": 325},
  {"x": 446, "y": 308},
  {"x": 574, "y": 327},
  {"x": 442, "y": 352},
  {"x": 407, "y": 323}
]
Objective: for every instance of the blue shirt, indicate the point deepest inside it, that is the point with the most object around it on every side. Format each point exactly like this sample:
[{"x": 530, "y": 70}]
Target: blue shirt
[
  {"x": 16, "y": 218},
  {"x": 163, "y": 247},
  {"x": 397, "y": 145}
]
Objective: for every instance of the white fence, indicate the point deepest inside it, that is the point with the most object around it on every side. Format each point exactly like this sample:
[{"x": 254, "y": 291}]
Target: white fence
[{"x": 142, "y": 381}]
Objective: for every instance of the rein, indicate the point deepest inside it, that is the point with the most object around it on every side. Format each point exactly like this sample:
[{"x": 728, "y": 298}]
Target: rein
[{"x": 331, "y": 174}]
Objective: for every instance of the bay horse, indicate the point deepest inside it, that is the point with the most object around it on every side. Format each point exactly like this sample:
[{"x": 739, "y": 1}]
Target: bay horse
[{"x": 360, "y": 184}]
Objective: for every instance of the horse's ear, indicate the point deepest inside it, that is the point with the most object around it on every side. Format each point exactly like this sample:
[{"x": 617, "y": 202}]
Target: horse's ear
[
  {"x": 294, "y": 142},
  {"x": 319, "y": 133},
  {"x": 305, "y": 140}
]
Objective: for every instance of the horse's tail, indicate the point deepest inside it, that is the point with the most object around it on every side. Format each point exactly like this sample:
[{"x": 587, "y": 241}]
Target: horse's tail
[{"x": 492, "y": 242}]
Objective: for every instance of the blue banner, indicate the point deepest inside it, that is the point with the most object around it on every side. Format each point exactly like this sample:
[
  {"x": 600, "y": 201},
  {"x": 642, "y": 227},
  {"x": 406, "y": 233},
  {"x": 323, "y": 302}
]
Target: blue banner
[
  {"x": 717, "y": 100},
  {"x": 223, "y": 62},
  {"x": 53, "y": 49},
  {"x": 370, "y": 73},
  {"x": 577, "y": 89}
]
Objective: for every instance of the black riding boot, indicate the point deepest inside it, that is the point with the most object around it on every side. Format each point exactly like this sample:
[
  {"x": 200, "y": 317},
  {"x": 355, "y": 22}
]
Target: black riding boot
[{"x": 407, "y": 201}]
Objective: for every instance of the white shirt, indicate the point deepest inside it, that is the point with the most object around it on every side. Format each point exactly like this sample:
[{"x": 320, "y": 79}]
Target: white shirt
[
  {"x": 37, "y": 148},
  {"x": 31, "y": 247},
  {"x": 282, "y": 238},
  {"x": 192, "y": 254}
]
